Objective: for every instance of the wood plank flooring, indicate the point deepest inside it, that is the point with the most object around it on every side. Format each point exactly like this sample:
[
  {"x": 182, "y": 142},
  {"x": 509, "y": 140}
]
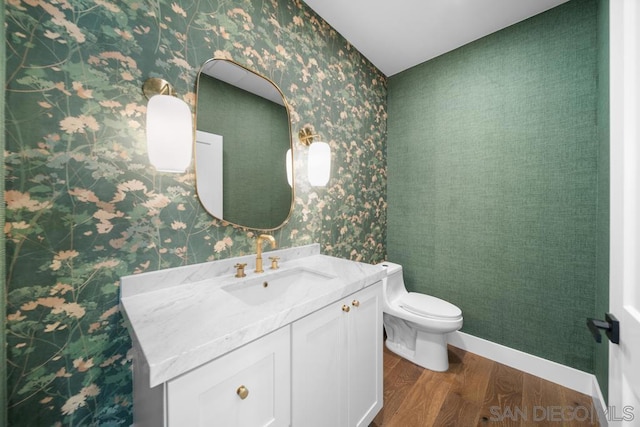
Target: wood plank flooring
[{"x": 476, "y": 392}]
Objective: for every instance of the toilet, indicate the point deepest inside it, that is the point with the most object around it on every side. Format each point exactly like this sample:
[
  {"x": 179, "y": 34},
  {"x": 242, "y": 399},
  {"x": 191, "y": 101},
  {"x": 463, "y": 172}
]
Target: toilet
[{"x": 417, "y": 324}]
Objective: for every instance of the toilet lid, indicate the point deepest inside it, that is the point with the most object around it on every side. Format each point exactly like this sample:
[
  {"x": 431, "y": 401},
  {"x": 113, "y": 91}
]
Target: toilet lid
[{"x": 428, "y": 306}]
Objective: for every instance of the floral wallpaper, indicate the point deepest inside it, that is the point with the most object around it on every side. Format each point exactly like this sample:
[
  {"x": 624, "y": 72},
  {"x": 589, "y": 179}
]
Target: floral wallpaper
[{"x": 84, "y": 207}]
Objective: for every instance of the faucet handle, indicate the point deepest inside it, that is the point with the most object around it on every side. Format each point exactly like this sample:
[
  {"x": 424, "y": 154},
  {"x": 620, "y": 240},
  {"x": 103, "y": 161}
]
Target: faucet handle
[
  {"x": 240, "y": 269},
  {"x": 274, "y": 262}
]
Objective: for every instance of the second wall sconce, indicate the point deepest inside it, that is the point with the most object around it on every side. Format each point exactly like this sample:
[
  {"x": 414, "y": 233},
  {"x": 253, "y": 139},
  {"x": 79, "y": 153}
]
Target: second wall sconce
[
  {"x": 169, "y": 127},
  {"x": 319, "y": 158}
]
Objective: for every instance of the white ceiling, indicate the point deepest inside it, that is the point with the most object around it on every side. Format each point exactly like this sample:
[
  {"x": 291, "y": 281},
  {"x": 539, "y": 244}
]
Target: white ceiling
[{"x": 398, "y": 34}]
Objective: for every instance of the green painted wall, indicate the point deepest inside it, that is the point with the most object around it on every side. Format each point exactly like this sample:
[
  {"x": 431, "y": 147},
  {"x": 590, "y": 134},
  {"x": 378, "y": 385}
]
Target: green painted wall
[
  {"x": 493, "y": 182},
  {"x": 601, "y": 357},
  {"x": 84, "y": 207}
]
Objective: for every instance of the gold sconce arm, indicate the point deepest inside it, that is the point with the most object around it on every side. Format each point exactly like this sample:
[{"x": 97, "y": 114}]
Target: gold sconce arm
[
  {"x": 306, "y": 136},
  {"x": 157, "y": 86}
]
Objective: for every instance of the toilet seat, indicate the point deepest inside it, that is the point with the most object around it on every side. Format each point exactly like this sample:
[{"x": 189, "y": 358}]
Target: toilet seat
[{"x": 429, "y": 306}]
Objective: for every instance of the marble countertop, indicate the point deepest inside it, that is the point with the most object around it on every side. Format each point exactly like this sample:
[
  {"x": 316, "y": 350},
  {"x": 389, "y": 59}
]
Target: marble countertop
[{"x": 183, "y": 317}]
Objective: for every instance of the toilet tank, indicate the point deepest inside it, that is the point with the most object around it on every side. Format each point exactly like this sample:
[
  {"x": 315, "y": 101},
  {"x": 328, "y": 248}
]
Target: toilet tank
[{"x": 393, "y": 286}]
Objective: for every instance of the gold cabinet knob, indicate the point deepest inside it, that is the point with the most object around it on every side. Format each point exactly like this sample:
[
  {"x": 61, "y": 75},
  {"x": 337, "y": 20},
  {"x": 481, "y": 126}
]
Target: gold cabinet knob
[
  {"x": 243, "y": 392},
  {"x": 346, "y": 308},
  {"x": 355, "y": 303}
]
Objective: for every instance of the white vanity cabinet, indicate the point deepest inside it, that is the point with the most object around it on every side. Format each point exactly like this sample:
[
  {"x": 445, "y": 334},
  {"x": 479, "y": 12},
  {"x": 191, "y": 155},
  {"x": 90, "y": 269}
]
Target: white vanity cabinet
[
  {"x": 247, "y": 387},
  {"x": 250, "y": 386},
  {"x": 337, "y": 362}
]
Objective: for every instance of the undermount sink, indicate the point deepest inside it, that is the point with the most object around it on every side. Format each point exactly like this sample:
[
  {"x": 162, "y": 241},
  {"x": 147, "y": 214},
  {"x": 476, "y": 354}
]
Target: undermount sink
[{"x": 271, "y": 286}]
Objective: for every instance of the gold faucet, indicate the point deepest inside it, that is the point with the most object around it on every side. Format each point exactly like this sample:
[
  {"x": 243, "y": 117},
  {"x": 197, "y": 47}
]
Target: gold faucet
[{"x": 259, "y": 240}]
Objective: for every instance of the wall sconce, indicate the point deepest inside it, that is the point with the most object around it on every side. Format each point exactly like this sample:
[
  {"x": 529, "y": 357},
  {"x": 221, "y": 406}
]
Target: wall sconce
[
  {"x": 169, "y": 127},
  {"x": 319, "y": 158}
]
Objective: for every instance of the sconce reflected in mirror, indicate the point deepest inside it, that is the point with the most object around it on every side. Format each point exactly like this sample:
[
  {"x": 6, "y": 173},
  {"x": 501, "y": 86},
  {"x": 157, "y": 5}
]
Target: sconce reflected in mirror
[
  {"x": 289, "y": 166},
  {"x": 169, "y": 127},
  {"x": 318, "y": 158}
]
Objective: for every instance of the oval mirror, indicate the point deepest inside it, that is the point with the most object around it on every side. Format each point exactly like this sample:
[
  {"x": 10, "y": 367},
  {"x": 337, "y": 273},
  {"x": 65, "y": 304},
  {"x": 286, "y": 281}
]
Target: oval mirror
[{"x": 243, "y": 135}]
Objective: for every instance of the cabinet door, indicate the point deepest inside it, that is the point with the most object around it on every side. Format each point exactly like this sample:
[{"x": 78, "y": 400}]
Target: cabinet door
[
  {"x": 212, "y": 395},
  {"x": 319, "y": 377},
  {"x": 365, "y": 356}
]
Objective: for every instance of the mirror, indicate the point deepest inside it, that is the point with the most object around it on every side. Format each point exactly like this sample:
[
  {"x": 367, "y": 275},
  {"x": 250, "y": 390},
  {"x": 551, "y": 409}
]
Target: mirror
[{"x": 243, "y": 133}]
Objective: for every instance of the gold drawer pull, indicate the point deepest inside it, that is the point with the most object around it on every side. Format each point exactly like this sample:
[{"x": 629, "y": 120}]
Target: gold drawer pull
[
  {"x": 346, "y": 308},
  {"x": 355, "y": 303},
  {"x": 243, "y": 392}
]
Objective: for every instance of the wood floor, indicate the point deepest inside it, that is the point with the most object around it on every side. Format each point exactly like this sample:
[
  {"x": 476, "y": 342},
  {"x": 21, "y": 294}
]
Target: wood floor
[{"x": 476, "y": 392}]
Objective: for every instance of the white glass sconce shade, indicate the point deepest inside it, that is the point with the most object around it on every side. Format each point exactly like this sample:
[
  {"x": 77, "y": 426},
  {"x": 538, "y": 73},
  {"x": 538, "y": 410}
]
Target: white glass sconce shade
[
  {"x": 319, "y": 163},
  {"x": 289, "y": 163},
  {"x": 169, "y": 133}
]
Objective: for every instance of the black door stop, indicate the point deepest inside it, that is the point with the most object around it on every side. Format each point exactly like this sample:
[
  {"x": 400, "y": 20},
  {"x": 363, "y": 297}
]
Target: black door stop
[{"x": 610, "y": 325}]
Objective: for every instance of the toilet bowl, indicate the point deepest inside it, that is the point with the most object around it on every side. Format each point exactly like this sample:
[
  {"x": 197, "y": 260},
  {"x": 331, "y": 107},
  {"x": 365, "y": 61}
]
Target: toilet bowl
[{"x": 417, "y": 324}]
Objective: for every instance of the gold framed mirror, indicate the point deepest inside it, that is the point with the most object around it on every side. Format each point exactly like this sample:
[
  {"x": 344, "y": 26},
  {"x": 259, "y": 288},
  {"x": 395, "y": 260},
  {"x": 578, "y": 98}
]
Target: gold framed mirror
[{"x": 243, "y": 138}]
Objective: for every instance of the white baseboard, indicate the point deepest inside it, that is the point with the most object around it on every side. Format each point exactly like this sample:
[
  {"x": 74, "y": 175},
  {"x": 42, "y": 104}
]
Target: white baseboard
[
  {"x": 566, "y": 376},
  {"x": 598, "y": 403}
]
